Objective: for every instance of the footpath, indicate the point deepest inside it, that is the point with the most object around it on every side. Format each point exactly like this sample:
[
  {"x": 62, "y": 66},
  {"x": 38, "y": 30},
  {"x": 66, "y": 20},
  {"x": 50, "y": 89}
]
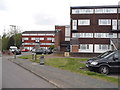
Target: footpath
[{"x": 62, "y": 78}]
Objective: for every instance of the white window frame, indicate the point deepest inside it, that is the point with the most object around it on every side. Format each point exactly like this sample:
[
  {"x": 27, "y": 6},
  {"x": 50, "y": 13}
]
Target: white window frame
[
  {"x": 41, "y": 38},
  {"x": 106, "y": 10},
  {"x": 82, "y": 35},
  {"x": 104, "y": 22},
  {"x": 49, "y": 38},
  {"x": 84, "y": 22},
  {"x": 74, "y": 24},
  {"x": 82, "y": 11},
  {"x": 114, "y": 24},
  {"x": 86, "y": 46},
  {"x": 33, "y": 38},
  {"x": 25, "y": 38},
  {"x": 104, "y": 47}
]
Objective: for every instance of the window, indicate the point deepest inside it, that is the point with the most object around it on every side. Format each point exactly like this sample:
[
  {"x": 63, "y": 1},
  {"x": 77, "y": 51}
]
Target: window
[
  {"x": 82, "y": 11},
  {"x": 67, "y": 31},
  {"x": 33, "y": 39},
  {"x": 114, "y": 24},
  {"x": 74, "y": 24},
  {"x": 25, "y": 38},
  {"x": 49, "y": 38},
  {"x": 104, "y": 47},
  {"x": 41, "y": 38},
  {"x": 105, "y": 35},
  {"x": 106, "y": 10},
  {"x": 101, "y": 35},
  {"x": 84, "y": 46},
  {"x": 118, "y": 24},
  {"x": 84, "y": 22},
  {"x": 104, "y": 21},
  {"x": 82, "y": 35}
]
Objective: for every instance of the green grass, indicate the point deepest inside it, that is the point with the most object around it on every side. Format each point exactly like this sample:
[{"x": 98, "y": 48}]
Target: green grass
[
  {"x": 25, "y": 57},
  {"x": 73, "y": 65},
  {"x": 28, "y": 56}
]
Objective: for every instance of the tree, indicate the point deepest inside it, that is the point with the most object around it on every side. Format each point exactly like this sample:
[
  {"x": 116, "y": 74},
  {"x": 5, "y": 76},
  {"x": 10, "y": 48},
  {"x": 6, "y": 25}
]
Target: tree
[
  {"x": 11, "y": 38},
  {"x": 5, "y": 40},
  {"x": 0, "y": 43}
]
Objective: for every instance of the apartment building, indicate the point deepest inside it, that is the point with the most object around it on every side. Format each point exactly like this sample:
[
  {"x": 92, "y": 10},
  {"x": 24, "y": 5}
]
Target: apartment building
[
  {"x": 62, "y": 37},
  {"x": 93, "y": 27},
  {"x": 44, "y": 39}
]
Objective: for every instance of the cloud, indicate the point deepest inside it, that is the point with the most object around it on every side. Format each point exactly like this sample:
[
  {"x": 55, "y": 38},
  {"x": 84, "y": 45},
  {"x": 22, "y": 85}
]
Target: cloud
[
  {"x": 2, "y": 5},
  {"x": 44, "y": 19}
]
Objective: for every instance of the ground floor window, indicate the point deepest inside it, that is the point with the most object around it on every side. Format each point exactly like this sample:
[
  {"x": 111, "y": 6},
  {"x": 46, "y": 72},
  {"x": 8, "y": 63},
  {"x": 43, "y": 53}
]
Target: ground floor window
[{"x": 84, "y": 46}]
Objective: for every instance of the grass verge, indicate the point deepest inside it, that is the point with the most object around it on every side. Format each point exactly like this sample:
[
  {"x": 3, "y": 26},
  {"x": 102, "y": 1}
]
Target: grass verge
[{"x": 73, "y": 65}]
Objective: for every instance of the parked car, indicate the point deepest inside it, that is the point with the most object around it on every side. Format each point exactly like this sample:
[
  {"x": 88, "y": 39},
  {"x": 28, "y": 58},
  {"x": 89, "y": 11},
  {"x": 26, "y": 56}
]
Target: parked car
[
  {"x": 24, "y": 50},
  {"x": 42, "y": 51},
  {"x": 17, "y": 52},
  {"x": 105, "y": 63},
  {"x": 12, "y": 49}
]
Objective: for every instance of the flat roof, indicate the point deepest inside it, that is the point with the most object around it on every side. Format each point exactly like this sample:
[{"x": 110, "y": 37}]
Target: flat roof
[
  {"x": 36, "y": 32},
  {"x": 90, "y": 7}
]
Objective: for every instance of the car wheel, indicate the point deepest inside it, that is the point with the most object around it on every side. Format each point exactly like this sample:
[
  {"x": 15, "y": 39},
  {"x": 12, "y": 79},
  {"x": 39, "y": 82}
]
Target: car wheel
[{"x": 104, "y": 70}]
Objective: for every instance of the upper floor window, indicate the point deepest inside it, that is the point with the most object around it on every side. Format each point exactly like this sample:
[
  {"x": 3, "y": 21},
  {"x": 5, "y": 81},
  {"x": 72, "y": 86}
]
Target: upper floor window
[
  {"x": 105, "y": 35},
  {"x": 41, "y": 38},
  {"x": 104, "y": 21},
  {"x": 83, "y": 22},
  {"x": 49, "y": 38},
  {"x": 82, "y": 35},
  {"x": 118, "y": 24},
  {"x": 25, "y": 38},
  {"x": 106, "y": 10},
  {"x": 33, "y": 38},
  {"x": 74, "y": 24},
  {"x": 82, "y": 11},
  {"x": 118, "y": 10}
]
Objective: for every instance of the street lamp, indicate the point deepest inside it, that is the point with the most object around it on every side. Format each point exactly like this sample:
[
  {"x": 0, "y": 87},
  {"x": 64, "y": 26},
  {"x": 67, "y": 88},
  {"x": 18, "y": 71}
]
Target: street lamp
[{"x": 14, "y": 26}]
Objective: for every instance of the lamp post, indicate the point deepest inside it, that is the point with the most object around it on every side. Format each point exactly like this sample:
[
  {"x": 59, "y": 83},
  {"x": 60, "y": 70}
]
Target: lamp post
[{"x": 14, "y": 26}]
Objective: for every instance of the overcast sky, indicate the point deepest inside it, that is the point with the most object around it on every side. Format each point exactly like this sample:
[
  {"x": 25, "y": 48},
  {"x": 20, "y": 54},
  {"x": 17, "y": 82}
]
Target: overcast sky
[{"x": 41, "y": 14}]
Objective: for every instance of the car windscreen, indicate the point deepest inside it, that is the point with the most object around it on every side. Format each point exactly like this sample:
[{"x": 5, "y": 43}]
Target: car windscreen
[{"x": 105, "y": 54}]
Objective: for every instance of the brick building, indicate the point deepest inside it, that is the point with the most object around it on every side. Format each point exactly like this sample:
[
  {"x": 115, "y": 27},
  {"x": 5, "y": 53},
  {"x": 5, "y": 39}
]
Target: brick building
[
  {"x": 93, "y": 27},
  {"x": 62, "y": 37},
  {"x": 44, "y": 39}
]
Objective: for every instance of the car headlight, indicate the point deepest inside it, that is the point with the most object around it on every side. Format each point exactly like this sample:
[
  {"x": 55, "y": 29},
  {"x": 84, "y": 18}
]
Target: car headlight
[{"x": 94, "y": 63}]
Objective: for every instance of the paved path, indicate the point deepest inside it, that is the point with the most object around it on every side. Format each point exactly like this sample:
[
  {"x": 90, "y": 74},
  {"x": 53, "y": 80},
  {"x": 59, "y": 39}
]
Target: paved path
[
  {"x": 16, "y": 77},
  {"x": 62, "y": 78}
]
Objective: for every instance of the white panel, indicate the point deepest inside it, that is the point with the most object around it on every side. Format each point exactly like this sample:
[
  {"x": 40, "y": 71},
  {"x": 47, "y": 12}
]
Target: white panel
[
  {"x": 90, "y": 50},
  {"x": 67, "y": 39},
  {"x": 98, "y": 50}
]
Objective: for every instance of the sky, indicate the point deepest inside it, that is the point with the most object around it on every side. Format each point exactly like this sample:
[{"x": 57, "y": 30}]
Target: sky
[{"x": 41, "y": 14}]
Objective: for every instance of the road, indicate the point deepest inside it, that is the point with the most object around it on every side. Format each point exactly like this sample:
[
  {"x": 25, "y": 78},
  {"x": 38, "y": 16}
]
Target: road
[
  {"x": 0, "y": 72},
  {"x": 15, "y": 76}
]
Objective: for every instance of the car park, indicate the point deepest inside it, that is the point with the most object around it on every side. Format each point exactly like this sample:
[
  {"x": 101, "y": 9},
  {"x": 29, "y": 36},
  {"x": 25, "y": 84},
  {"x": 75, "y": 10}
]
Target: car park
[{"x": 105, "y": 63}]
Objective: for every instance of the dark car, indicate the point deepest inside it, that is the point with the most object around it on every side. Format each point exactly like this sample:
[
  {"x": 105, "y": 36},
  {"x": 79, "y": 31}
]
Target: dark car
[
  {"x": 17, "y": 52},
  {"x": 42, "y": 51},
  {"x": 105, "y": 63}
]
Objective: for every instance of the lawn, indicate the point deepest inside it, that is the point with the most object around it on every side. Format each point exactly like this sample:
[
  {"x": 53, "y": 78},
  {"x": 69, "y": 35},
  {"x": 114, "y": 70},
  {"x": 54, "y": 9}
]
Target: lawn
[{"x": 72, "y": 65}]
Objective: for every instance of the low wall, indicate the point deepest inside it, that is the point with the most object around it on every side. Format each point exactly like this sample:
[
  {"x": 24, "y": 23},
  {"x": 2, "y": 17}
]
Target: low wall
[
  {"x": 84, "y": 54},
  {"x": 73, "y": 54}
]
